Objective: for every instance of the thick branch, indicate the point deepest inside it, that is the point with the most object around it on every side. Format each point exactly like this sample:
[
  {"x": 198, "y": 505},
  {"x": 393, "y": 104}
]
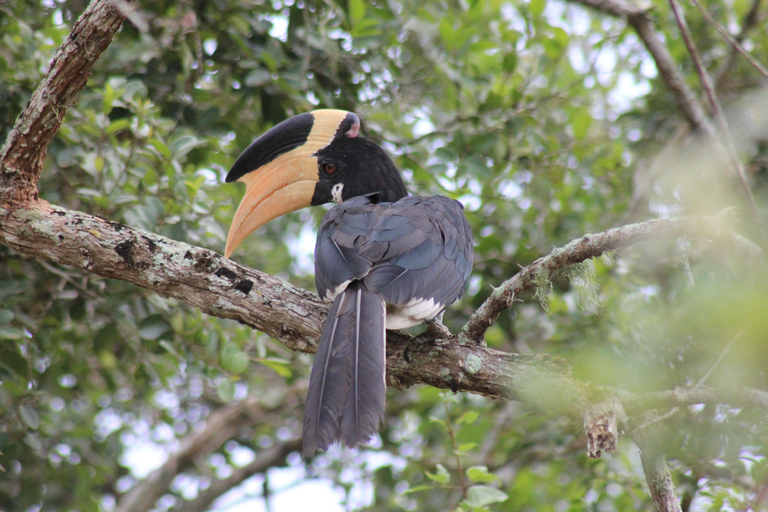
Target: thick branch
[
  {"x": 220, "y": 287},
  {"x": 21, "y": 159},
  {"x": 638, "y": 18},
  {"x": 202, "y": 278}
]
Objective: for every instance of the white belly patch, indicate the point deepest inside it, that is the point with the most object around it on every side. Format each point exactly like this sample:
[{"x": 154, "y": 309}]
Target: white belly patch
[{"x": 412, "y": 313}]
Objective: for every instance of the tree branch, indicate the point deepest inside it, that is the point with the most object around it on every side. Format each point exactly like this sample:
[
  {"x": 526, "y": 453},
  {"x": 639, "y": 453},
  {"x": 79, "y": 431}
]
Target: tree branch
[
  {"x": 668, "y": 70},
  {"x": 220, "y": 426},
  {"x": 751, "y": 20},
  {"x": 274, "y": 456},
  {"x": 657, "y": 475},
  {"x": 725, "y": 137},
  {"x": 200, "y": 277},
  {"x": 591, "y": 246},
  {"x": 21, "y": 159}
]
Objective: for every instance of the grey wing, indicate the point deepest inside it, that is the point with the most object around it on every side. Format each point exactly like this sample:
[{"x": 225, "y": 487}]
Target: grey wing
[
  {"x": 423, "y": 250},
  {"x": 415, "y": 253}
]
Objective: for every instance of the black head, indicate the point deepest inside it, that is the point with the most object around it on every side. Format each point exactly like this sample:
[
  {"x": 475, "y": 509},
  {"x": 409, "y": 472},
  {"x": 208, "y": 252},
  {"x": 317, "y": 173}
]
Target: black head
[{"x": 356, "y": 166}]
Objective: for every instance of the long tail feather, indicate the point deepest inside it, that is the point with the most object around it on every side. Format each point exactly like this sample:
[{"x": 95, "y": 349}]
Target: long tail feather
[
  {"x": 364, "y": 408},
  {"x": 346, "y": 387}
]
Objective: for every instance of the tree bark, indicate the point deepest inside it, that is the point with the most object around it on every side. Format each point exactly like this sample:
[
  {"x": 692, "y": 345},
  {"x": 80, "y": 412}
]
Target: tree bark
[{"x": 21, "y": 159}]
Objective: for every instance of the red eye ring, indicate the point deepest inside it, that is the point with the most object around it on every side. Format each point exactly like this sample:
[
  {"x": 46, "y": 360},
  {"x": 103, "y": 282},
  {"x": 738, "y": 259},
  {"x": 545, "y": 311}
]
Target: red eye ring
[{"x": 329, "y": 167}]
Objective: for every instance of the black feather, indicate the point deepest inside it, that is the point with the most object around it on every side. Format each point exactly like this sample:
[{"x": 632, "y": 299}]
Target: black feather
[{"x": 346, "y": 387}]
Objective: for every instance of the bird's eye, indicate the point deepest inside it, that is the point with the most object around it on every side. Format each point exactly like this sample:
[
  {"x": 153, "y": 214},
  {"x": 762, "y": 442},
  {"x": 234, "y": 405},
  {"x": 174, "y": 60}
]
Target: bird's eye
[{"x": 329, "y": 167}]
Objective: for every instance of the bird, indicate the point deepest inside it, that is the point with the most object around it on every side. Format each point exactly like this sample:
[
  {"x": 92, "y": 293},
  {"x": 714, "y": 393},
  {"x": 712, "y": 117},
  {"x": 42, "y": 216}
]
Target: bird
[{"x": 384, "y": 258}]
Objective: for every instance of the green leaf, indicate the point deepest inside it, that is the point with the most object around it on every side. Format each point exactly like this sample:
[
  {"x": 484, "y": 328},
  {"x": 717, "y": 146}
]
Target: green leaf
[
  {"x": 161, "y": 147},
  {"x": 482, "y": 495},
  {"x": 435, "y": 419},
  {"x": 116, "y": 126},
  {"x": 464, "y": 448},
  {"x": 440, "y": 476},
  {"x": 536, "y": 7},
  {"x": 11, "y": 333},
  {"x": 356, "y": 11},
  {"x": 226, "y": 390},
  {"x": 29, "y": 417},
  {"x": 366, "y": 28},
  {"x": 239, "y": 363},
  {"x": 182, "y": 145},
  {"x": 468, "y": 417},
  {"x": 233, "y": 359},
  {"x": 279, "y": 366},
  {"x": 152, "y": 327},
  {"x": 480, "y": 474},
  {"x": 418, "y": 489},
  {"x": 580, "y": 123}
]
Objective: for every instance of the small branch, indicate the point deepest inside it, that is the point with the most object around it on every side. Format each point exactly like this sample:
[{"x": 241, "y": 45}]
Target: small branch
[
  {"x": 738, "y": 396},
  {"x": 452, "y": 436},
  {"x": 725, "y": 137},
  {"x": 750, "y": 21},
  {"x": 733, "y": 41},
  {"x": 272, "y": 457},
  {"x": 589, "y": 246},
  {"x": 220, "y": 426},
  {"x": 638, "y": 18},
  {"x": 657, "y": 473},
  {"x": 21, "y": 159}
]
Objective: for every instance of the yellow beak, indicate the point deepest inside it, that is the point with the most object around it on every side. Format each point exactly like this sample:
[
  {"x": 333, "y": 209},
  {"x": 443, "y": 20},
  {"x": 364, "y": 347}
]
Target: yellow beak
[{"x": 287, "y": 182}]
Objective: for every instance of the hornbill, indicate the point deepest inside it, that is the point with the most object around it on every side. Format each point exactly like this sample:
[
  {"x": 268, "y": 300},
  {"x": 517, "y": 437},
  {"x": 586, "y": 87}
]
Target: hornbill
[{"x": 387, "y": 260}]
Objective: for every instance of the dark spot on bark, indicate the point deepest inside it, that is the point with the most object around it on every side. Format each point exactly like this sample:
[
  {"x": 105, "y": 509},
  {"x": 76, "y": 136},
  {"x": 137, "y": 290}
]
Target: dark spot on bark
[
  {"x": 226, "y": 273},
  {"x": 117, "y": 226},
  {"x": 187, "y": 255},
  {"x": 289, "y": 333},
  {"x": 203, "y": 264},
  {"x": 59, "y": 213},
  {"x": 151, "y": 245},
  {"x": 407, "y": 355},
  {"x": 125, "y": 251},
  {"x": 61, "y": 238},
  {"x": 244, "y": 285}
]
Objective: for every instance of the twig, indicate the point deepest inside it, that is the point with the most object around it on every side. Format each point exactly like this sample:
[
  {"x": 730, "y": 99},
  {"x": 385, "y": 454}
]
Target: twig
[
  {"x": 452, "y": 436},
  {"x": 761, "y": 498},
  {"x": 720, "y": 358},
  {"x": 722, "y": 124},
  {"x": 738, "y": 396},
  {"x": 638, "y": 18},
  {"x": 750, "y": 21},
  {"x": 274, "y": 456},
  {"x": 731, "y": 40}
]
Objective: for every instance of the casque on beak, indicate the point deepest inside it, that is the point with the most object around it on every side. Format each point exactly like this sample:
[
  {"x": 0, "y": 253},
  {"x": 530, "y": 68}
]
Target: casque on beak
[{"x": 280, "y": 169}]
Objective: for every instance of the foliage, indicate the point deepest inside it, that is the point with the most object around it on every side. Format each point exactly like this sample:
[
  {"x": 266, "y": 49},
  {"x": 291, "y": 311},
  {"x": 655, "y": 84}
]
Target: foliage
[{"x": 547, "y": 120}]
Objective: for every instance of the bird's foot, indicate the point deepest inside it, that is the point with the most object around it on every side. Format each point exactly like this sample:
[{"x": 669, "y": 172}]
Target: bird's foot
[{"x": 437, "y": 330}]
